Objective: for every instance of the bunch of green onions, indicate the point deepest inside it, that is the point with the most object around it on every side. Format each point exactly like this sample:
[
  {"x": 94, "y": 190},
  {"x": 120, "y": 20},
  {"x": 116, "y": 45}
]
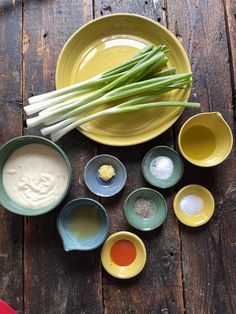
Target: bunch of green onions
[{"x": 134, "y": 85}]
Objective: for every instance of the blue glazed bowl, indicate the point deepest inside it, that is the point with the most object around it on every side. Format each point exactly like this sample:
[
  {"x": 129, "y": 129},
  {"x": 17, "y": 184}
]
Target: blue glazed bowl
[
  {"x": 99, "y": 186},
  {"x": 74, "y": 212},
  {"x": 5, "y": 152}
]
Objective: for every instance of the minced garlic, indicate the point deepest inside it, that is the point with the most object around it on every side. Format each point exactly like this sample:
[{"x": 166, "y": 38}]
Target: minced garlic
[{"x": 106, "y": 172}]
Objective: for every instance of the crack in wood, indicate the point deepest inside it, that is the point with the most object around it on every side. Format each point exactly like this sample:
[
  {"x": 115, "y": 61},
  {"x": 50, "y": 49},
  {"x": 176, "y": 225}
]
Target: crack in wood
[
  {"x": 106, "y": 8},
  {"x": 177, "y": 33}
]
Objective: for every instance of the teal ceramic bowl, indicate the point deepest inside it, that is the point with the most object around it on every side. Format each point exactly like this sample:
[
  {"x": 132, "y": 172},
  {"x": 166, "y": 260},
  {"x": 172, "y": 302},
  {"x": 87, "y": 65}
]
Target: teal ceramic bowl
[
  {"x": 5, "y": 152},
  {"x": 162, "y": 172},
  {"x": 145, "y": 209},
  {"x": 99, "y": 186},
  {"x": 82, "y": 224}
]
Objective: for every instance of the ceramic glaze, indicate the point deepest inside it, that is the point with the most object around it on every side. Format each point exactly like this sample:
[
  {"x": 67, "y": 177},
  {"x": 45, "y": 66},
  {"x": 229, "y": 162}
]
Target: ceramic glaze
[
  {"x": 35, "y": 176},
  {"x": 199, "y": 142},
  {"x": 194, "y": 205},
  {"x": 96, "y": 184},
  {"x": 162, "y": 167},
  {"x": 123, "y": 255},
  {"x": 152, "y": 216},
  {"x": 205, "y": 139},
  {"x": 105, "y": 43},
  {"x": 92, "y": 60},
  {"x": 84, "y": 222}
]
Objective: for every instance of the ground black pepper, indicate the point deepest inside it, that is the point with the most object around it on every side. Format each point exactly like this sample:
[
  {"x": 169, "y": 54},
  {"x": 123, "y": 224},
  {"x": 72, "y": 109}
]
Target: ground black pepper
[{"x": 144, "y": 208}]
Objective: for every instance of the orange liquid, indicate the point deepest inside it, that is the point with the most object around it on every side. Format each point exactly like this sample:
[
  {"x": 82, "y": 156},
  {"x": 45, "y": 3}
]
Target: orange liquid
[{"x": 123, "y": 253}]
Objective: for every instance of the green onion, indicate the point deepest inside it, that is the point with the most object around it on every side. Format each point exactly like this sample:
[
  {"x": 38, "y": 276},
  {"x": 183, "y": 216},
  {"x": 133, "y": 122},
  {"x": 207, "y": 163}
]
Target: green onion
[
  {"x": 67, "y": 126},
  {"x": 133, "y": 85}
]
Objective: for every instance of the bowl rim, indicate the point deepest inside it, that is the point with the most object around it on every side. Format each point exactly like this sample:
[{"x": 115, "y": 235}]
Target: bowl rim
[
  {"x": 66, "y": 207},
  {"x": 111, "y": 16},
  {"x": 193, "y": 161},
  {"x": 68, "y": 167},
  {"x": 186, "y": 187},
  {"x": 112, "y": 158},
  {"x": 156, "y": 193},
  {"x": 132, "y": 236},
  {"x": 173, "y": 151},
  {"x": 133, "y": 15}
]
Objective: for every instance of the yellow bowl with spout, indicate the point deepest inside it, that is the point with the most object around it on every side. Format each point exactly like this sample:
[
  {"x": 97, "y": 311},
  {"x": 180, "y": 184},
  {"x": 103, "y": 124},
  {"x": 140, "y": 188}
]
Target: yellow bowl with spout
[{"x": 205, "y": 139}]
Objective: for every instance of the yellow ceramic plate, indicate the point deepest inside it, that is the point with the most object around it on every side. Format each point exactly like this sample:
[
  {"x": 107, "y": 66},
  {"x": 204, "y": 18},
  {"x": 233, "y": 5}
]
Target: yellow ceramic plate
[
  {"x": 106, "y": 42},
  {"x": 204, "y": 215},
  {"x": 123, "y": 272}
]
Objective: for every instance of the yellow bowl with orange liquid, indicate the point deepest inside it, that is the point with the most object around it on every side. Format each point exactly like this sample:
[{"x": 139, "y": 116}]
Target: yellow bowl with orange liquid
[
  {"x": 205, "y": 139},
  {"x": 123, "y": 255}
]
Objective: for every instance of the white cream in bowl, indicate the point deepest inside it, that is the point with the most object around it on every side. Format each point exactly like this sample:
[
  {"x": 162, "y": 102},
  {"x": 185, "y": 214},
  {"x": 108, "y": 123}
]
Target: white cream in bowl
[{"x": 35, "y": 176}]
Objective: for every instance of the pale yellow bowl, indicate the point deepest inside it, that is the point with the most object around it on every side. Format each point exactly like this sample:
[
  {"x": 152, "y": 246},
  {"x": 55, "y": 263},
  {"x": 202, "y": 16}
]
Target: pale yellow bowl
[
  {"x": 205, "y": 139},
  {"x": 123, "y": 272},
  {"x": 204, "y": 215}
]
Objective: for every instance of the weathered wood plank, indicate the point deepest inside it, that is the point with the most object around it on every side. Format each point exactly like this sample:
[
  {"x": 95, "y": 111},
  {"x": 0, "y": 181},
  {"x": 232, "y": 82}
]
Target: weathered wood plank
[
  {"x": 11, "y": 289},
  {"x": 63, "y": 282},
  {"x": 208, "y": 252},
  {"x": 158, "y": 289},
  {"x": 230, "y": 15},
  {"x": 150, "y": 8}
]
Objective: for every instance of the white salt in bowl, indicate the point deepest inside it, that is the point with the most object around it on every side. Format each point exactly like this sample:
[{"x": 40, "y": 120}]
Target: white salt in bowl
[
  {"x": 162, "y": 167},
  {"x": 194, "y": 205}
]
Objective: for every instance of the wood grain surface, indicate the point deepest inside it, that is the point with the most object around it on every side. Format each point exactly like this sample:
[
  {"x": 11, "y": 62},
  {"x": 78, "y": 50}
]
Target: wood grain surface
[
  {"x": 11, "y": 246},
  {"x": 207, "y": 253},
  {"x": 230, "y": 18},
  {"x": 65, "y": 282},
  {"x": 147, "y": 293},
  {"x": 188, "y": 270}
]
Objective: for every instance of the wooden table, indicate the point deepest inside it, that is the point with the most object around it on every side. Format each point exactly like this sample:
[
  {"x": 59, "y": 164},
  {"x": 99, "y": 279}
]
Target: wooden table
[{"x": 188, "y": 270}]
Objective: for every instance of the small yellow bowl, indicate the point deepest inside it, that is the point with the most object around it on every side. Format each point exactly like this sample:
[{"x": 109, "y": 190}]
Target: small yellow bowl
[
  {"x": 131, "y": 270},
  {"x": 205, "y": 139},
  {"x": 207, "y": 209}
]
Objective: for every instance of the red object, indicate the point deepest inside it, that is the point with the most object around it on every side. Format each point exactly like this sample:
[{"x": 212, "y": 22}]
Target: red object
[
  {"x": 123, "y": 253},
  {"x": 5, "y": 308}
]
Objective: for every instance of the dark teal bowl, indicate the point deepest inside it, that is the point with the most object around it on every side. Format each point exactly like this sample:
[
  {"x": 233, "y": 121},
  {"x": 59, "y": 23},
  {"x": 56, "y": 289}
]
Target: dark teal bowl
[
  {"x": 155, "y": 199},
  {"x": 166, "y": 152},
  {"x": 5, "y": 152}
]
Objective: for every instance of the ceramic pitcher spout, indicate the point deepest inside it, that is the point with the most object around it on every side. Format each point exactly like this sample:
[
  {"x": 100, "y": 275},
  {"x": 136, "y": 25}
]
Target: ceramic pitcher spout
[
  {"x": 67, "y": 248},
  {"x": 218, "y": 116}
]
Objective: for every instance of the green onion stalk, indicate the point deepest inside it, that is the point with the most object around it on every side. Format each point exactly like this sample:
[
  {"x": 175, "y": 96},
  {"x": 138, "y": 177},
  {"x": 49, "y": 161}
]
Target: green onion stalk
[{"x": 134, "y": 85}]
